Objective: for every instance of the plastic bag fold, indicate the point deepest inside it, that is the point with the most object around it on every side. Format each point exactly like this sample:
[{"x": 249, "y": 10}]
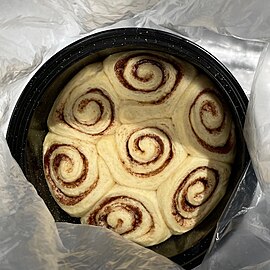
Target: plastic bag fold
[{"x": 236, "y": 32}]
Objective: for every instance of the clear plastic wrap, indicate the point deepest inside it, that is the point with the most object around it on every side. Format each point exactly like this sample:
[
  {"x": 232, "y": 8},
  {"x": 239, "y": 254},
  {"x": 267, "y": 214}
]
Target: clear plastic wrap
[
  {"x": 236, "y": 32},
  {"x": 30, "y": 239},
  {"x": 258, "y": 122},
  {"x": 243, "y": 241}
]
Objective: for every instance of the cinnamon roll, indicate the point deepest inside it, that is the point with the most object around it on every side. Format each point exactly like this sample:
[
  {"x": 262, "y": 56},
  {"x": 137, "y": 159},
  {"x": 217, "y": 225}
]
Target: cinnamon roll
[
  {"x": 76, "y": 177},
  {"x": 142, "y": 155},
  {"x": 150, "y": 82},
  {"x": 132, "y": 213},
  {"x": 192, "y": 193},
  {"x": 87, "y": 107},
  {"x": 204, "y": 122}
]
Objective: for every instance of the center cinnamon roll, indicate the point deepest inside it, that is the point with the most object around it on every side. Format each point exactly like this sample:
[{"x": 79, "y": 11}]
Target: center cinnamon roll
[
  {"x": 148, "y": 151},
  {"x": 142, "y": 155}
]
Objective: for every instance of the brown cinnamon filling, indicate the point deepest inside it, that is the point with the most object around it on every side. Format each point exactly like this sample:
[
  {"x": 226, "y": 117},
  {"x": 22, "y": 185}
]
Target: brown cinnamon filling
[
  {"x": 185, "y": 204},
  {"x": 146, "y": 78},
  {"x": 121, "y": 64},
  {"x": 60, "y": 112},
  {"x": 160, "y": 148},
  {"x": 210, "y": 107},
  {"x": 83, "y": 104},
  {"x": 63, "y": 157},
  {"x": 108, "y": 205},
  {"x": 60, "y": 196},
  {"x": 160, "y": 151}
]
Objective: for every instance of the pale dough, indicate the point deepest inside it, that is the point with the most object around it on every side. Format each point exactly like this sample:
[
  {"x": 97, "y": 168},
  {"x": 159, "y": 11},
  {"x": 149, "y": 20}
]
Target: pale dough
[
  {"x": 76, "y": 176},
  {"x": 142, "y": 155},
  {"x": 131, "y": 212},
  {"x": 87, "y": 108},
  {"x": 192, "y": 193},
  {"x": 150, "y": 83},
  {"x": 203, "y": 122}
]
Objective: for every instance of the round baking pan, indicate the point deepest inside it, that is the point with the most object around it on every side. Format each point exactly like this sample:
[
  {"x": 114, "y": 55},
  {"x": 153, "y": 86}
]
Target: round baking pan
[{"x": 28, "y": 127}]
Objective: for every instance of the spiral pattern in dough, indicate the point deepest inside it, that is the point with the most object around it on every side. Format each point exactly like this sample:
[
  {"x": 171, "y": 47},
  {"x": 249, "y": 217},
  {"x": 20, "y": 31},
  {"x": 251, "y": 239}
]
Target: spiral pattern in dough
[
  {"x": 204, "y": 123},
  {"x": 192, "y": 193},
  {"x": 132, "y": 213},
  {"x": 150, "y": 83},
  {"x": 142, "y": 155},
  {"x": 75, "y": 176},
  {"x": 87, "y": 107}
]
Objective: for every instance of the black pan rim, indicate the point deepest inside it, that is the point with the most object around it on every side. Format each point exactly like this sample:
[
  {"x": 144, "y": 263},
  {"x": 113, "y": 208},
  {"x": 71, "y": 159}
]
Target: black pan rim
[{"x": 119, "y": 37}]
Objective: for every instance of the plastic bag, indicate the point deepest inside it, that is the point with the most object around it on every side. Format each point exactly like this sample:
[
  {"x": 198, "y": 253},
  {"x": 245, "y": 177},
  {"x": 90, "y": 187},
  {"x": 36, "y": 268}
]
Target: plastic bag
[
  {"x": 243, "y": 241},
  {"x": 234, "y": 31},
  {"x": 30, "y": 239},
  {"x": 257, "y": 121}
]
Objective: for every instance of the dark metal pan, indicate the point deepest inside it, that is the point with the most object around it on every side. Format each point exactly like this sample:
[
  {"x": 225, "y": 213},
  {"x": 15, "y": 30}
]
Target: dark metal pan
[{"x": 27, "y": 127}]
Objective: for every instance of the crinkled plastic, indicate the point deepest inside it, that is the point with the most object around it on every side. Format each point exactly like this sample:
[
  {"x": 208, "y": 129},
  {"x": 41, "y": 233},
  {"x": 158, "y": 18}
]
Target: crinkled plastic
[
  {"x": 243, "y": 241},
  {"x": 257, "y": 121},
  {"x": 30, "y": 239},
  {"x": 236, "y": 32}
]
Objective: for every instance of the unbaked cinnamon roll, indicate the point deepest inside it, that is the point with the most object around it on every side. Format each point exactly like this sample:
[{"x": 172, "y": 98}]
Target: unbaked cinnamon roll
[
  {"x": 142, "y": 155},
  {"x": 87, "y": 107},
  {"x": 150, "y": 82},
  {"x": 76, "y": 177},
  {"x": 204, "y": 123},
  {"x": 132, "y": 213},
  {"x": 192, "y": 193}
]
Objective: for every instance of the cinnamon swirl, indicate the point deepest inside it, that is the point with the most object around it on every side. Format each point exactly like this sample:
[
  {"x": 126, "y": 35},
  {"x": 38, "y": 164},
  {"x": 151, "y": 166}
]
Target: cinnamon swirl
[
  {"x": 87, "y": 107},
  {"x": 132, "y": 213},
  {"x": 142, "y": 155},
  {"x": 76, "y": 176},
  {"x": 192, "y": 193},
  {"x": 204, "y": 122},
  {"x": 150, "y": 83},
  {"x": 139, "y": 144}
]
